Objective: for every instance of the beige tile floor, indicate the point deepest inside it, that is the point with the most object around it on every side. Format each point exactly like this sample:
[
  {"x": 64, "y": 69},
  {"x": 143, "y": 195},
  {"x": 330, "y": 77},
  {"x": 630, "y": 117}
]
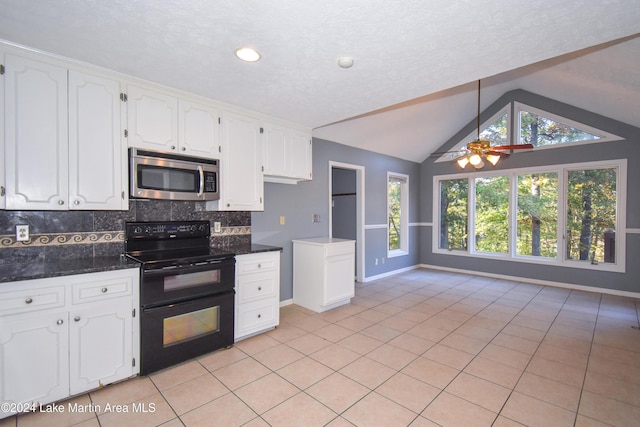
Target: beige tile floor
[{"x": 422, "y": 348}]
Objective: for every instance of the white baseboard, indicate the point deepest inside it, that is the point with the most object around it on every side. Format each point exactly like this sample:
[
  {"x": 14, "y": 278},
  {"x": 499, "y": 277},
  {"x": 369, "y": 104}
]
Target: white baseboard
[
  {"x": 537, "y": 281},
  {"x": 389, "y": 273},
  {"x": 286, "y": 302}
]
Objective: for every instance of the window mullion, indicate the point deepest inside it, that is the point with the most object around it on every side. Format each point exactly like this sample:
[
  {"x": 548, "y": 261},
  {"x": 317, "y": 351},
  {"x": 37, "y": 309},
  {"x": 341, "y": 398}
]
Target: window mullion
[{"x": 472, "y": 216}]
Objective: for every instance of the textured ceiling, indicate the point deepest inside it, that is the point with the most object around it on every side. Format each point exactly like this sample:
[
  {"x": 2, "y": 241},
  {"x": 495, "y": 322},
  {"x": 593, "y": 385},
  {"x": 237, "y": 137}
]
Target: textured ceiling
[{"x": 403, "y": 50}]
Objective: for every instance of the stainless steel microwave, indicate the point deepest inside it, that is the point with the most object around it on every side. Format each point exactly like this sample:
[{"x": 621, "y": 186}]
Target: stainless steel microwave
[{"x": 166, "y": 176}]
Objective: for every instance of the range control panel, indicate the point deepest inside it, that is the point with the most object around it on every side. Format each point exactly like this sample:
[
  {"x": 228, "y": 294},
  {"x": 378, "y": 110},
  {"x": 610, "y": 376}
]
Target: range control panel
[{"x": 167, "y": 230}]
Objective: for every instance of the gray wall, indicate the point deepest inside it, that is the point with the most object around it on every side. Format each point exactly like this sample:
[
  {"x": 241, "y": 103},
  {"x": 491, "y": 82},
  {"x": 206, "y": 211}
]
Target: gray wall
[
  {"x": 629, "y": 149},
  {"x": 298, "y": 203}
]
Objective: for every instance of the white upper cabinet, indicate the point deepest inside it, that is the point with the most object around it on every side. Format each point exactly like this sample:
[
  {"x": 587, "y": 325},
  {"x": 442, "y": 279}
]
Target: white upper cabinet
[
  {"x": 199, "y": 130},
  {"x": 287, "y": 154},
  {"x": 241, "y": 182},
  {"x": 163, "y": 122},
  {"x": 36, "y": 138},
  {"x": 63, "y": 140},
  {"x": 152, "y": 119},
  {"x": 97, "y": 152}
]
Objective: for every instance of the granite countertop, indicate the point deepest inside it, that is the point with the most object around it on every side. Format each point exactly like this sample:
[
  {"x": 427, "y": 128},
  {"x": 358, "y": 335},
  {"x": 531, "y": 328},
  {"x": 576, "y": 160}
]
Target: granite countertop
[
  {"x": 63, "y": 267},
  {"x": 67, "y": 267}
]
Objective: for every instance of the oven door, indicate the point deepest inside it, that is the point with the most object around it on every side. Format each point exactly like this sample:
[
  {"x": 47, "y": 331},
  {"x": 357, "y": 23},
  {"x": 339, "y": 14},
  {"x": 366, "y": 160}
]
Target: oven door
[
  {"x": 177, "y": 332},
  {"x": 180, "y": 283}
]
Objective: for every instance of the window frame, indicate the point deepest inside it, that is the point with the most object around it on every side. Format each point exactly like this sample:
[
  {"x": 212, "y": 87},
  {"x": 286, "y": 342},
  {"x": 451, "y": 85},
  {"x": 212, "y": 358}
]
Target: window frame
[
  {"x": 560, "y": 260},
  {"x": 404, "y": 215}
]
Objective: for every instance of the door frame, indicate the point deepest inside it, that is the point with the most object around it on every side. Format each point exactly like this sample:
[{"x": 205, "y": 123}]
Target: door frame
[{"x": 359, "y": 212}]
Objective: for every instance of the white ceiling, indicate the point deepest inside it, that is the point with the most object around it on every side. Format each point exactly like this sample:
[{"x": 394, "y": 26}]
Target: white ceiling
[{"x": 420, "y": 54}]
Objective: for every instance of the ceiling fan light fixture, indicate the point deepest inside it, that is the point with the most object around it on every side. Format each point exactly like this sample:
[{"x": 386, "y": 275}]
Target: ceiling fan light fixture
[
  {"x": 463, "y": 161},
  {"x": 493, "y": 159},
  {"x": 248, "y": 54},
  {"x": 476, "y": 160}
]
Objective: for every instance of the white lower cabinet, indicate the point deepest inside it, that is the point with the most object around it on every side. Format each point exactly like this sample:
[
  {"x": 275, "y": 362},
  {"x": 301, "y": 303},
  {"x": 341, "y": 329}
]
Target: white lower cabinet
[
  {"x": 323, "y": 272},
  {"x": 257, "y": 293},
  {"x": 67, "y": 335}
]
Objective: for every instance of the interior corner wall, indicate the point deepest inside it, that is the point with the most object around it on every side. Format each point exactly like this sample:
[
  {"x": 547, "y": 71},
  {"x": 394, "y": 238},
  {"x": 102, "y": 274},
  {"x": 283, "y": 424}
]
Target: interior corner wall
[
  {"x": 627, "y": 149},
  {"x": 298, "y": 203}
]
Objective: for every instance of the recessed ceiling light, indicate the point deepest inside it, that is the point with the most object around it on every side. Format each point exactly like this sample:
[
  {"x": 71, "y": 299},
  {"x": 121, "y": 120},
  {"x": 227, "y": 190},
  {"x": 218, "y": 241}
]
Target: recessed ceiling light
[
  {"x": 248, "y": 54},
  {"x": 345, "y": 62}
]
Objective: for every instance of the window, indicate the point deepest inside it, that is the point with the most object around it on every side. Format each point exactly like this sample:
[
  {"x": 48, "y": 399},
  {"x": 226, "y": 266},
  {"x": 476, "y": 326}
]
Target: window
[
  {"x": 454, "y": 202},
  {"x": 531, "y": 126},
  {"x": 398, "y": 211},
  {"x": 565, "y": 215}
]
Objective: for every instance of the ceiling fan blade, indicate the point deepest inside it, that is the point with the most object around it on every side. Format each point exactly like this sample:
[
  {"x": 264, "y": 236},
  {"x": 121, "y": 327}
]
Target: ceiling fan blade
[
  {"x": 513, "y": 147},
  {"x": 498, "y": 153}
]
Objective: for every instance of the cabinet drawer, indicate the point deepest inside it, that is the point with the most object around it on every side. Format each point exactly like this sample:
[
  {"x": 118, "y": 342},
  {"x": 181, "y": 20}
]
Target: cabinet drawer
[
  {"x": 257, "y": 316},
  {"x": 104, "y": 289},
  {"x": 255, "y": 263},
  {"x": 339, "y": 249},
  {"x": 255, "y": 286},
  {"x": 31, "y": 299}
]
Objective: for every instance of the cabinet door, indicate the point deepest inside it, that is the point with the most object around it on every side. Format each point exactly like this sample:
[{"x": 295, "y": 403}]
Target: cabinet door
[
  {"x": 100, "y": 349},
  {"x": 3, "y": 186},
  {"x": 152, "y": 119},
  {"x": 241, "y": 185},
  {"x": 300, "y": 150},
  {"x": 275, "y": 146},
  {"x": 97, "y": 155},
  {"x": 199, "y": 129},
  {"x": 35, "y": 135},
  {"x": 34, "y": 366}
]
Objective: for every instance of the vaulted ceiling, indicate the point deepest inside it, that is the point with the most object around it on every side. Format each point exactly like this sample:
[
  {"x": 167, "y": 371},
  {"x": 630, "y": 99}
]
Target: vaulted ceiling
[{"x": 416, "y": 62}]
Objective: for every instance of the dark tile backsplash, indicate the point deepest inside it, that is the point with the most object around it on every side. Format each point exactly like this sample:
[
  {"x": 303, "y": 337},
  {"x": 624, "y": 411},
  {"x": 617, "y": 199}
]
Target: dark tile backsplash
[{"x": 79, "y": 234}]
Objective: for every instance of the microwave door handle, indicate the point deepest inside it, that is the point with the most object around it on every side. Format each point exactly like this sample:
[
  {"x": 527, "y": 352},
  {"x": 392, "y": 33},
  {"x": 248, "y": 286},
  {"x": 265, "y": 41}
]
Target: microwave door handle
[{"x": 201, "y": 190}]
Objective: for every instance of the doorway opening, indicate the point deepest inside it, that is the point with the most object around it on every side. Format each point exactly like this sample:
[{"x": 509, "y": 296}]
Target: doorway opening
[{"x": 346, "y": 207}]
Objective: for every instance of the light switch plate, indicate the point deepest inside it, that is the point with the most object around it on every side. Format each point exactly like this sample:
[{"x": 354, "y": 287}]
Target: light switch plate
[{"x": 22, "y": 233}]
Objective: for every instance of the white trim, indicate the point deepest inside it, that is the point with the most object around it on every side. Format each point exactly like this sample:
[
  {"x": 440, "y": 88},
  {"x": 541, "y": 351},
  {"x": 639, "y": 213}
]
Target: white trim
[
  {"x": 390, "y": 273},
  {"x": 593, "y": 289},
  {"x": 633, "y": 230},
  {"x": 375, "y": 226},
  {"x": 620, "y": 164},
  {"x": 286, "y": 302},
  {"x": 420, "y": 224},
  {"x": 360, "y": 208}
]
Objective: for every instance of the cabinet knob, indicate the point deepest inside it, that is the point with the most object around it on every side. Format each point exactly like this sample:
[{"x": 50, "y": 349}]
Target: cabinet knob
[
  {"x": 173, "y": 147},
  {"x": 76, "y": 202},
  {"x": 259, "y": 265},
  {"x": 61, "y": 202},
  {"x": 259, "y": 316},
  {"x": 77, "y": 318},
  {"x": 184, "y": 148},
  {"x": 28, "y": 300},
  {"x": 59, "y": 322},
  {"x": 259, "y": 288},
  {"x": 104, "y": 290}
]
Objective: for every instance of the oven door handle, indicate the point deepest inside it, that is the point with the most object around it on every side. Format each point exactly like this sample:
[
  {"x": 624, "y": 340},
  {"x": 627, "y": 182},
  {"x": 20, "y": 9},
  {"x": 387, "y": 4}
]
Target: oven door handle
[
  {"x": 184, "y": 269},
  {"x": 201, "y": 172},
  {"x": 175, "y": 306}
]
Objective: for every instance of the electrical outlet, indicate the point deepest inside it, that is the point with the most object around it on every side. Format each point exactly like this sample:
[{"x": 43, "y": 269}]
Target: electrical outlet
[
  {"x": 22, "y": 233},
  {"x": 315, "y": 218},
  {"x": 217, "y": 227}
]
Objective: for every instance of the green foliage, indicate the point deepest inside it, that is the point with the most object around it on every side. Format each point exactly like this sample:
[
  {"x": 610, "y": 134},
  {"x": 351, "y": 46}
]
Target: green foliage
[
  {"x": 539, "y": 131},
  {"x": 393, "y": 203},
  {"x": 538, "y": 215},
  {"x": 492, "y": 214},
  {"x": 454, "y": 208}
]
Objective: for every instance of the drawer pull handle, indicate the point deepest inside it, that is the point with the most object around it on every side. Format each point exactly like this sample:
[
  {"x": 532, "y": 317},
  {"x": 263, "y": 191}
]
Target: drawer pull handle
[
  {"x": 259, "y": 316},
  {"x": 259, "y": 288},
  {"x": 28, "y": 300},
  {"x": 59, "y": 322},
  {"x": 104, "y": 290},
  {"x": 77, "y": 318},
  {"x": 259, "y": 265}
]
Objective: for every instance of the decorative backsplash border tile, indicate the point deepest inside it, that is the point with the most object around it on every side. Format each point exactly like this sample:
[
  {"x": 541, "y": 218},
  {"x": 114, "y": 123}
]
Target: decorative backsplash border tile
[{"x": 96, "y": 237}]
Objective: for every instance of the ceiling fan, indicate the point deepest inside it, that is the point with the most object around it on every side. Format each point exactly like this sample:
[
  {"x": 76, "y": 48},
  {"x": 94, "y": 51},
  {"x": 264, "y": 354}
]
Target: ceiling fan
[{"x": 480, "y": 149}]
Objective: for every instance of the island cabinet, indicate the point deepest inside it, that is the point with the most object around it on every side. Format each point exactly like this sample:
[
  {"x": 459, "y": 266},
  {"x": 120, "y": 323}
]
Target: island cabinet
[
  {"x": 257, "y": 293},
  {"x": 323, "y": 272},
  {"x": 66, "y": 335}
]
